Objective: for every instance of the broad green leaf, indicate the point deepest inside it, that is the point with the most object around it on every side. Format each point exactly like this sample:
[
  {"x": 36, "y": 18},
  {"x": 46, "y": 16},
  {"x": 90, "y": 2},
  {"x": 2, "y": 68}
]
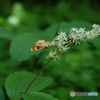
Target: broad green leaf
[
  {"x": 20, "y": 48},
  {"x": 82, "y": 24},
  {"x": 19, "y": 81},
  {"x": 6, "y": 34},
  {"x": 66, "y": 27},
  {"x": 27, "y": 29},
  {"x": 51, "y": 31},
  {"x": 1, "y": 94},
  {"x": 38, "y": 96}
]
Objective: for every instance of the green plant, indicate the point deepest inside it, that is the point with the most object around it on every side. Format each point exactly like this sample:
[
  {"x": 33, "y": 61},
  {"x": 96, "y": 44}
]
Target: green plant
[
  {"x": 26, "y": 84},
  {"x": 77, "y": 70}
]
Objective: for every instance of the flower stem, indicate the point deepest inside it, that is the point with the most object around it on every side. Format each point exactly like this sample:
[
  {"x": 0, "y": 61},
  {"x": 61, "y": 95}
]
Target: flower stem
[
  {"x": 38, "y": 75},
  {"x": 60, "y": 17}
]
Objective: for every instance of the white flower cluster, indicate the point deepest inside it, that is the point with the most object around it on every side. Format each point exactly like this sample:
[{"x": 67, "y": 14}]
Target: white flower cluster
[
  {"x": 62, "y": 40},
  {"x": 80, "y": 34},
  {"x": 77, "y": 34},
  {"x": 53, "y": 54}
]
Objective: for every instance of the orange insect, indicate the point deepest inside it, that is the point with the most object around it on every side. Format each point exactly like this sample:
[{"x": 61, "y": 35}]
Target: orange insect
[
  {"x": 71, "y": 39},
  {"x": 41, "y": 44}
]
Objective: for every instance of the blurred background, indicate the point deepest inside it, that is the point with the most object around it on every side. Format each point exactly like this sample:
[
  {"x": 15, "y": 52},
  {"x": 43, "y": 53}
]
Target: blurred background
[{"x": 78, "y": 69}]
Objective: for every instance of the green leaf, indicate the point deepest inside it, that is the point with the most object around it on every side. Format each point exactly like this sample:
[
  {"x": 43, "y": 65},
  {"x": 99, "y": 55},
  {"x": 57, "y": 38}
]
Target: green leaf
[
  {"x": 1, "y": 94},
  {"x": 51, "y": 31},
  {"x": 38, "y": 96},
  {"x": 82, "y": 24},
  {"x": 6, "y": 34},
  {"x": 66, "y": 27},
  {"x": 19, "y": 81},
  {"x": 20, "y": 48},
  {"x": 27, "y": 29}
]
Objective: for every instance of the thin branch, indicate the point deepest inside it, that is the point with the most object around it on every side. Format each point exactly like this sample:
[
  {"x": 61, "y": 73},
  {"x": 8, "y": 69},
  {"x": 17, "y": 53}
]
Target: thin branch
[
  {"x": 37, "y": 75},
  {"x": 60, "y": 17}
]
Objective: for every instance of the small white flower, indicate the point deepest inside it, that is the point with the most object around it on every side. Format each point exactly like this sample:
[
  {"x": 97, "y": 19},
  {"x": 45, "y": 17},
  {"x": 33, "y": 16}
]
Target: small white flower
[
  {"x": 81, "y": 30},
  {"x": 60, "y": 43},
  {"x": 99, "y": 30},
  {"x": 52, "y": 54},
  {"x": 77, "y": 42},
  {"x": 52, "y": 43},
  {"x": 95, "y": 26},
  {"x": 94, "y": 33},
  {"x": 80, "y": 34},
  {"x": 57, "y": 37},
  {"x": 88, "y": 35},
  {"x": 73, "y": 30},
  {"x": 64, "y": 48},
  {"x": 62, "y": 34}
]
